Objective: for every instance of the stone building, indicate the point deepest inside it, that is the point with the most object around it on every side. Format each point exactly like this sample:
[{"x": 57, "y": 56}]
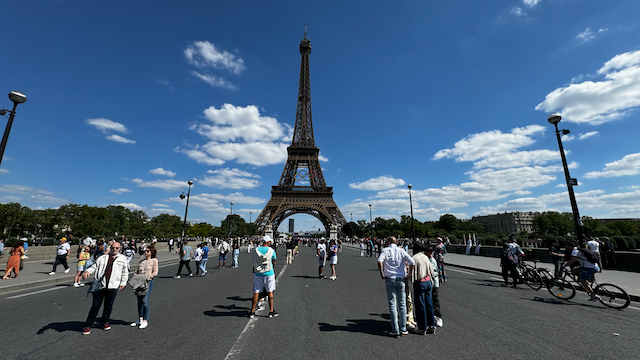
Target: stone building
[{"x": 507, "y": 223}]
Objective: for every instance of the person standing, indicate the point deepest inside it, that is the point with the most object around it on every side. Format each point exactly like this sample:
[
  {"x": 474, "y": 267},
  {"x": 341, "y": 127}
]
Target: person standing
[
  {"x": 236, "y": 253},
  {"x": 435, "y": 281},
  {"x": 82, "y": 261},
  {"x": 170, "y": 244},
  {"x": 223, "y": 250},
  {"x": 557, "y": 257},
  {"x": 508, "y": 263},
  {"x": 13, "y": 264},
  {"x": 392, "y": 268},
  {"x": 111, "y": 270},
  {"x": 594, "y": 246},
  {"x": 421, "y": 277},
  {"x": 205, "y": 258},
  {"x": 333, "y": 258},
  {"x": 321, "y": 251},
  {"x": 185, "y": 259},
  {"x": 197, "y": 257},
  {"x": 1, "y": 248},
  {"x": 62, "y": 254},
  {"x": 147, "y": 266},
  {"x": 440, "y": 251},
  {"x": 361, "y": 249},
  {"x": 290, "y": 246},
  {"x": 609, "y": 253},
  {"x": 264, "y": 279}
]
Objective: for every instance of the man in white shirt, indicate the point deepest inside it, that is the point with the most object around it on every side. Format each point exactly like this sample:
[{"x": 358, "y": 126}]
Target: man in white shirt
[
  {"x": 585, "y": 271},
  {"x": 594, "y": 246},
  {"x": 321, "y": 251},
  {"x": 62, "y": 254},
  {"x": 392, "y": 266},
  {"x": 223, "y": 249}
]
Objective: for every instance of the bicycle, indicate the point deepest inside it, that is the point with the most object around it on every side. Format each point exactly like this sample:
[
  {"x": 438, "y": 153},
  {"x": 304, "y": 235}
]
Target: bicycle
[
  {"x": 534, "y": 276},
  {"x": 610, "y": 295}
]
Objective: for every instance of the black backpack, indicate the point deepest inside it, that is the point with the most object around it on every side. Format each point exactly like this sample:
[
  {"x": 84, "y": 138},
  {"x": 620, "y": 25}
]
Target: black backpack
[{"x": 590, "y": 255}]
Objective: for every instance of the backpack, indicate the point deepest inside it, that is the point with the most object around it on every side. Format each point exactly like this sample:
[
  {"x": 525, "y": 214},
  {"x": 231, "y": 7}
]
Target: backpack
[{"x": 590, "y": 255}]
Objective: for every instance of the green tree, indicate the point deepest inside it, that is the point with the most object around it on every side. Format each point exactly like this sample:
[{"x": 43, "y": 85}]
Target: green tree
[
  {"x": 552, "y": 223},
  {"x": 448, "y": 222},
  {"x": 200, "y": 230}
]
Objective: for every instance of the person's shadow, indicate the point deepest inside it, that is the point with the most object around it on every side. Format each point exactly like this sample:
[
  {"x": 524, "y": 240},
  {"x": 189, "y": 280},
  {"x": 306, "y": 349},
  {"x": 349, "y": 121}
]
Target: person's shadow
[
  {"x": 231, "y": 310},
  {"x": 75, "y": 326},
  {"x": 367, "y": 326}
]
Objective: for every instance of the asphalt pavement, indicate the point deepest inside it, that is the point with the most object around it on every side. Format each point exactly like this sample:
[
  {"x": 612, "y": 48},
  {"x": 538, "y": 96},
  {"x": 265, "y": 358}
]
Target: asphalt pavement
[{"x": 207, "y": 318}]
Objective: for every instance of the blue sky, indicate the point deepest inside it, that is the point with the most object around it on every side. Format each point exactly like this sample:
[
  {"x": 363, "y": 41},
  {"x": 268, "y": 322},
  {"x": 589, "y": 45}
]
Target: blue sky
[{"x": 129, "y": 100}]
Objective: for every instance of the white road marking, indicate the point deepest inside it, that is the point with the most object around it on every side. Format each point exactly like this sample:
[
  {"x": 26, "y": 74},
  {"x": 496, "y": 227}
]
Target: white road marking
[
  {"x": 237, "y": 346},
  {"x": 633, "y": 307},
  {"x": 37, "y": 292},
  {"x": 464, "y": 272}
]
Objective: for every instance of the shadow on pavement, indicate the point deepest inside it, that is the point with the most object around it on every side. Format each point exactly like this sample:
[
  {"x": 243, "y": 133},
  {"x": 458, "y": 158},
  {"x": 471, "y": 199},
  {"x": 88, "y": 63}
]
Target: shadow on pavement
[
  {"x": 238, "y": 312},
  {"x": 304, "y": 276},
  {"x": 367, "y": 326},
  {"x": 75, "y": 326},
  {"x": 238, "y": 298},
  {"x": 563, "y": 302},
  {"x": 384, "y": 316}
]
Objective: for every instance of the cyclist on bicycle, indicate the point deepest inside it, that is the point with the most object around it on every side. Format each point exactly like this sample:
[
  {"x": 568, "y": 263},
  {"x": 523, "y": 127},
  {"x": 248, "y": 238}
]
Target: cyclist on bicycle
[{"x": 584, "y": 270}]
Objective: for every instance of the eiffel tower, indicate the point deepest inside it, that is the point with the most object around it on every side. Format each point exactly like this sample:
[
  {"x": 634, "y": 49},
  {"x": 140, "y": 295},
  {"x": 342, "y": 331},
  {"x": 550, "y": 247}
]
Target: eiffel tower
[{"x": 302, "y": 189}]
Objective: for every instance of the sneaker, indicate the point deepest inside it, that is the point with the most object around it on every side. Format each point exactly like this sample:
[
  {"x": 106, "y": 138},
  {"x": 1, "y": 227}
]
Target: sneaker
[
  {"x": 106, "y": 326},
  {"x": 438, "y": 321},
  {"x": 252, "y": 314},
  {"x": 52, "y": 273},
  {"x": 143, "y": 325},
  {"x": 595, "y": 298},
  {"x": 177, "y": 277},
  {"x": 86, "y": 330},
  {"x": 391, "y": 333},
  {"x": 67, "y": 271},
  {"x": 403, "y": 333},
  {"x": 190, "y": 275},
  {"x": 260, "y": 307},
  {"x": 431, "y": 330},
  {"x": 76, "y": 285},
  {"x": 135, "y": 323},
  {"x": 273, "y": 314},
  {"x": 81, "y": 284}
]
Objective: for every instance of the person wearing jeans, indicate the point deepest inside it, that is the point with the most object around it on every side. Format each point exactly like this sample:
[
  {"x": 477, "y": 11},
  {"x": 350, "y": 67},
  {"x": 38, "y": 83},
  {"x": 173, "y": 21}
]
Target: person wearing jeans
[
  {"x": 205, "y": 258},
  {"x": 392, "y": 267},
  {"x": 422, "y": 276},
  {"x": 149, "y": 267}
]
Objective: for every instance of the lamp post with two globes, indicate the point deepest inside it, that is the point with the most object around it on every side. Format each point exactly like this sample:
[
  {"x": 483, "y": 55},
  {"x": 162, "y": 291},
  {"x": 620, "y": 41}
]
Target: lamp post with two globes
[
  {"x": 17, "y": 98},
  {"x": 554, "y": 119},
  {"x": 413, "y": 229}
]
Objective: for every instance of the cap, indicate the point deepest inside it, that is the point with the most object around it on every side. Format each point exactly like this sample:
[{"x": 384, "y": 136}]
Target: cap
[{"x": 265, "y": 239}]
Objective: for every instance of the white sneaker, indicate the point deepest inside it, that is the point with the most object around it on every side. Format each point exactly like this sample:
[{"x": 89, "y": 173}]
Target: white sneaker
[
  {"x": 143, "y": 325},
  {"x": 76, "y": 285},
  {"x": 260, "y": 307},
  {"x": 177, "y": 277},
  {"x": 81, "y": 284},
  {"x": 67, "y": 271},
  {"x": 52, "y": 273},
  {"x": 135, "y": 324},
  {"x": 438, "y": 321}
]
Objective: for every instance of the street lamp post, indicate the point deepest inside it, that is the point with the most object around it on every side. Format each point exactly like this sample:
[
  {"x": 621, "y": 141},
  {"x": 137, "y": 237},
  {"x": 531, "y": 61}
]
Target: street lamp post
[
  {"x": 250, "y": 217},
  {"x": 571, "y": 182},
  {"x": 413, "y": 229},
  {"x": 371, "y": 222},
  {"x": 186, "y": 210},
  {"x": 231, "y": 213},
  {"x": 18, "y": 98}
]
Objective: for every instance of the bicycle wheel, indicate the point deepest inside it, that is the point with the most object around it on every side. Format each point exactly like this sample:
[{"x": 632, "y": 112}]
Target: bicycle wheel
[
  {"x": 533, "y": 279},
  {"x": 612, "y": 296},
  {"x": 561, "y": 288}
]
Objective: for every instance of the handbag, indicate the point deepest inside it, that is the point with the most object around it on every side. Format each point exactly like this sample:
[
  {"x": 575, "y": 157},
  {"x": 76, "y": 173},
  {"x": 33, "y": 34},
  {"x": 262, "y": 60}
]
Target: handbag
[{"x": 95, "y": 285}]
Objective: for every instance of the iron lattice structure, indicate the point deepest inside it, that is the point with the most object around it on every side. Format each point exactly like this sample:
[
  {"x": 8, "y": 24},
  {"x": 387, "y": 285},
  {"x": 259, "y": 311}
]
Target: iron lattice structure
[{"x": 302, "y": 188}]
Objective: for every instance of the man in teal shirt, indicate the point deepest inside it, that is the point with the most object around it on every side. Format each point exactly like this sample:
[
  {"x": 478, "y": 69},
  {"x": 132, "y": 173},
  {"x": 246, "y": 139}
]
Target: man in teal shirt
[
  {"x": 264, "y": 259},
  {"x": 185, "y": 259}
]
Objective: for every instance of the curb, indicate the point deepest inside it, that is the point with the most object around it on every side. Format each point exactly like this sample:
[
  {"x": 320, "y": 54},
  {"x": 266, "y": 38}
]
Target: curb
[
  {"x": 634, "y": 298},
  {"x": 54, "y": 280}
]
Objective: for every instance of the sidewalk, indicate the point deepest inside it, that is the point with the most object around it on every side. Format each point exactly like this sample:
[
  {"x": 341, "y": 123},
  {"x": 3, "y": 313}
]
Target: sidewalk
[
  {"x": 629, "y": 281},
  {"x": 36, "y": 273}
]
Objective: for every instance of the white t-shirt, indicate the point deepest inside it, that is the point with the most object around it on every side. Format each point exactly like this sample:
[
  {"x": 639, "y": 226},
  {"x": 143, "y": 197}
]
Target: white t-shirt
[
  {"x": 63, "y": 248},
  {"x": 594, "y": 246},
  {"x": 322, "y": 250},
  {"x": 582, "y": 259}
]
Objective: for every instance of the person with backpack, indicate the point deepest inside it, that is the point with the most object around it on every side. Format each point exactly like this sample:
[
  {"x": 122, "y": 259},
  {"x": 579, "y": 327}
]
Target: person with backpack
[
  {"x": 264, "y": 279},
  {"x": 587, "y": 267},
  {"x": 508, "y": 263}
]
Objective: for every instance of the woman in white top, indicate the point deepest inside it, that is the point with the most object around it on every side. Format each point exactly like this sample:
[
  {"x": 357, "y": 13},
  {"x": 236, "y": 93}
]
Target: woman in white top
[{"x": 422, "y": 288}]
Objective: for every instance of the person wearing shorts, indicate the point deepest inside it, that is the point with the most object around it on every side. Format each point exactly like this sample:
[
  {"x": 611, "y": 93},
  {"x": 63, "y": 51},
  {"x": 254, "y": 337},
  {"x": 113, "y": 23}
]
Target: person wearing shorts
[
  {"x": 264, "y": 279},
  {"x": 585, "y": 271},
  {"x": 333, "y": 258}
]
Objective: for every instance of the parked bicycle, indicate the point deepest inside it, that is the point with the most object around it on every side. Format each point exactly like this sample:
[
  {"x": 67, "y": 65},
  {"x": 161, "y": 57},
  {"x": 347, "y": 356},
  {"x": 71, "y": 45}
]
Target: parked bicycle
[
  {"x": 610, "y": 295},
  {"x": 534, "y": 276}
]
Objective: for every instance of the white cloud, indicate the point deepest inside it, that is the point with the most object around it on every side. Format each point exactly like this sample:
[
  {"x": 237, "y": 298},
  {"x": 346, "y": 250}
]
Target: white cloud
[
  {"x": 380, "y": 183},
  {"x": 23, "y": 190},
  {"x": 4, "y": 171},
  {"x": 240, "y": 134},
  {"x": 517, "y": 11},
  {"x": 130, "y": 206},
  {"x": 10, "y": 199},
  {"x": 214, "y": 81},
  {"x": 162, "y": 184},
  {"x": 531, "y": 3},
  {"x": 597, "y": 102},
  {"x": 47, "y": 199},
  {"x": 158, "y": 211},
  {"x": 159, "y": 205},
  {"x": 230, "y": 179},
  {"x": 586, "y": 35},
  {"x": 105, "y": 124},
  {"x": 323, "y": 159},
  {"x": 120, "y": 191},
  {"x": 218, "y": 203},
  {"x": 587, "y": 135},
  {"x": 161, "y": 171},
  {"x": 205, "y": 54},
  {"x": 120, "y": 139},
  {"x": 628, "y": 165}
]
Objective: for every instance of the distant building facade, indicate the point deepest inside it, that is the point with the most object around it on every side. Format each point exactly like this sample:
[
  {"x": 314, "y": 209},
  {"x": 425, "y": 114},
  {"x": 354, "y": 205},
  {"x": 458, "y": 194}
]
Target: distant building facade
[
  {"x": 507, "y": 223},
  {"x": 291, "y": 226}
]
